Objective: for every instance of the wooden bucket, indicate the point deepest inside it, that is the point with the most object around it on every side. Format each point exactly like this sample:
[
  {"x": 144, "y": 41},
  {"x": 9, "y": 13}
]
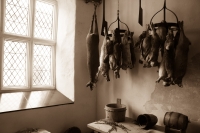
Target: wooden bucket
[
  {"x": 115, "y": 112},
  {"x": 147, "y": 121},
  {"x": 176, "y": 121}
]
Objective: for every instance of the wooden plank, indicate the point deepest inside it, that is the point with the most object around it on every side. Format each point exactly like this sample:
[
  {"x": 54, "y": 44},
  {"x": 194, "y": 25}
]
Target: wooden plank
[{"x": 128, "y": 123}]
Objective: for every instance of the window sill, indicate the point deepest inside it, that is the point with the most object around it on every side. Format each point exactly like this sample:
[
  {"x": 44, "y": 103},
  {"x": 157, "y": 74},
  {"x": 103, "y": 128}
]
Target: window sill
[{"x": 17, "y": 101}]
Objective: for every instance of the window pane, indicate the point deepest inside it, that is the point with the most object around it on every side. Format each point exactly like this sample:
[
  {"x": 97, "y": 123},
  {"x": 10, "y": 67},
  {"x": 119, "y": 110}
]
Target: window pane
[
  {"x": 42, "y": 65},
  {"x": 44, "y": 20},
  {"x": 16, "y": 17},
  {"x": 14, "y": 69}
]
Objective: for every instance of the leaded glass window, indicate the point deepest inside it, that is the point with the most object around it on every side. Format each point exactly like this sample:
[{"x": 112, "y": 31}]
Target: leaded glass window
[
  {"x": 44, "y": 20},
  {"x": 42, "y": 65},
  {"x": 16, "y": 17},
  {"x": 28, "y": 44},
  {"x": 14, "y": 68}
]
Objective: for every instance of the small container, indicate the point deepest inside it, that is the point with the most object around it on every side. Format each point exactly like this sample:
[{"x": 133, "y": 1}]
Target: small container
[
  {"x": 115, "y": 112},
  {"x": 147, "y": 121}
]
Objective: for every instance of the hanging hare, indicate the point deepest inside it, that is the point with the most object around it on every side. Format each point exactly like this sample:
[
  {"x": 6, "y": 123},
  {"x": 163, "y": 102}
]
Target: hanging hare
[{"x": 92, "y": 45}]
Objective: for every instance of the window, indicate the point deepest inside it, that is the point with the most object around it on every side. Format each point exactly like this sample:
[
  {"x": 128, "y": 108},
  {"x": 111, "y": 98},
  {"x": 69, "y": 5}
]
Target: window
[{"x": 28, "y": 38}]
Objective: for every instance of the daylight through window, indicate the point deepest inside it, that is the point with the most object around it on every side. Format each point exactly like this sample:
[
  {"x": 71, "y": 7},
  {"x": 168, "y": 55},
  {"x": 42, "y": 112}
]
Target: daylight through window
[{"x": 28, "y": 37}]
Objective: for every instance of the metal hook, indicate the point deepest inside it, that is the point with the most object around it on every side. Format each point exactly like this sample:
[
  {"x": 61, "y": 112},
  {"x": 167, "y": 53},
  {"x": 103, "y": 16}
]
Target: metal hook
[
  {"x": 164, "y": 9},
  {"x": 118, "y": 20}
]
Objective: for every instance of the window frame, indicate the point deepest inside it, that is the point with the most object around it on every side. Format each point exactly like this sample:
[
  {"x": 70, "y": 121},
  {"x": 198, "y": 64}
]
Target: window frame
[{"x": 31, "y": 40}]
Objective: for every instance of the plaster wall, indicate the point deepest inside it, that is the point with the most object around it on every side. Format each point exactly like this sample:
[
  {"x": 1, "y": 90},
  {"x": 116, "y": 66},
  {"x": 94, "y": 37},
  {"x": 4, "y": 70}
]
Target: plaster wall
[
  {"x": 74, "y": 21},
  {"x": 137, "y": 87}
]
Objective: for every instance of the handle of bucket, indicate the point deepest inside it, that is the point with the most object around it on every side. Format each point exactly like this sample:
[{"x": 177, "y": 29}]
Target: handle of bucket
[{"x": 118, "y": 101}]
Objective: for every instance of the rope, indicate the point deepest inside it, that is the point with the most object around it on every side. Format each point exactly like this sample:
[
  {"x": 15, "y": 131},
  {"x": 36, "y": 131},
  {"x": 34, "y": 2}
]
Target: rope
[
  {"x": 118, "y": 10},
  {"x": 95, "y": 7},
  {"x": 118, "y": 4}
]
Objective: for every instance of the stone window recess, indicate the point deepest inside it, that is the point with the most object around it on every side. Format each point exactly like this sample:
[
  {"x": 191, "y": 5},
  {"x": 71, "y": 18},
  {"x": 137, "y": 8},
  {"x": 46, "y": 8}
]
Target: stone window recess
[{"x": 28, "y": 34}]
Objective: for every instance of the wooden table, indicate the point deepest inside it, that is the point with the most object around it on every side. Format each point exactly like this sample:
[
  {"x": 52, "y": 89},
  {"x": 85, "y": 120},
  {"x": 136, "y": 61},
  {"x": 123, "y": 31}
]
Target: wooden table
[{"x": 128, "y": 123}]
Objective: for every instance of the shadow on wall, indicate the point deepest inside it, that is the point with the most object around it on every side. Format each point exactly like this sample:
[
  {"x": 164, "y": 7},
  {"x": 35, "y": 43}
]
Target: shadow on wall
[{"x": 184, "y": 100}]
